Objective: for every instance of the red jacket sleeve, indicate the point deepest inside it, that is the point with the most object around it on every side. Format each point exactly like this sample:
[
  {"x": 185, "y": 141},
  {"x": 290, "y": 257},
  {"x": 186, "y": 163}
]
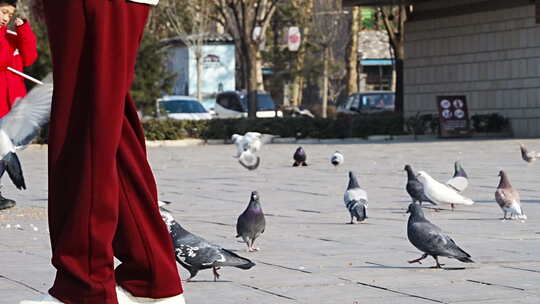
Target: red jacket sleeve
[
  {"x": 5, "y": 50},
  {"x": 26, "y": 44}
]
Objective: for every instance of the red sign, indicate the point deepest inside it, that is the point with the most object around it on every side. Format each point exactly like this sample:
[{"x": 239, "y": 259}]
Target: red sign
[
  {"x": 453, "y": 116},
  {"x": 294, "y": 38}
]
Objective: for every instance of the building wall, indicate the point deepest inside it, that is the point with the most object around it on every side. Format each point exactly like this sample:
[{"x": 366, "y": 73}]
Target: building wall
[{"x": 492, "y": 57}]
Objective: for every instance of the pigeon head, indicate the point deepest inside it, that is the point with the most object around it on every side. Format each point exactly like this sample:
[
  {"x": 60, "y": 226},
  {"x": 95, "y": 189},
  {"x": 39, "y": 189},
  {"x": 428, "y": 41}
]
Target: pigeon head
[
  {"x": 353, "y": 183},
  {"x": 410, "y": 172},
  {"x": 415, "y": 210},
  {"x": 254, "y": 196},
  {"x": 504, "y": 182},
  {"x": 300, "y": 150}
]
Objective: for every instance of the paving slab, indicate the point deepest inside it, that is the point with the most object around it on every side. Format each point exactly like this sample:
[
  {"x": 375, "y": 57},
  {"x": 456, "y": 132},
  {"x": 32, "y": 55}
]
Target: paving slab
[{"x": 308, "y": 252}]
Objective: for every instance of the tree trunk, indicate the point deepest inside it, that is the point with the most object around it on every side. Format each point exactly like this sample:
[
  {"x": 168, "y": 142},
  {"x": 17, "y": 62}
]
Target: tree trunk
[
  {"x": 325, "y": 82},
  {"x": 352, "y": 53},
  {"x": 399, "y": 86},
  {"x": 259, "y": 75},
  {"x": 251, "y": 80},
  {"x": 199, "y": 63}
]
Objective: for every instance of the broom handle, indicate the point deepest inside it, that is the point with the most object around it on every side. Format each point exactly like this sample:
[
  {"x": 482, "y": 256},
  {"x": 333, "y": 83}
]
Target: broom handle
[{"x": 24, "y": 75}]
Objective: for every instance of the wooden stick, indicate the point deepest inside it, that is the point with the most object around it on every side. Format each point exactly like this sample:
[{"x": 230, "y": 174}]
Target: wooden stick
[{"x": 24, "y": 75}]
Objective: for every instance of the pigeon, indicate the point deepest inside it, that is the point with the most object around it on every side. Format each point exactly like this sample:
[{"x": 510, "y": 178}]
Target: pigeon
[
  {"x": 249, "y": 160},
  {"x": 250, "y": 141},
  {"x": 430, "y": 239},
  {"x": 528, "y": 156},
  {"x": 21, "y": 125},
  {"x": 251, "y": 222},
  {"x": 460, "y": 180},
  {"x": 508, "y": 199},
  {"x": 299, "y": 157},
  {"x": 440, "y": 193},
  {"x": 415, "y": 188},
  {"x": 337, "y": 159},
  {"x": 195, "y": 253},
  {"x": 356, "y": 200}
]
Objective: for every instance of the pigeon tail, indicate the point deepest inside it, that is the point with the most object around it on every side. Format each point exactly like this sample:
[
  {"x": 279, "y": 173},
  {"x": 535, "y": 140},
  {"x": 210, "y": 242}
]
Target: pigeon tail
[
  {"x": 358, "y": 209},
  {"x": 12, "y": 165},
  {"x": 233, "y": 259},
  {"x": 465, "y": 259}
]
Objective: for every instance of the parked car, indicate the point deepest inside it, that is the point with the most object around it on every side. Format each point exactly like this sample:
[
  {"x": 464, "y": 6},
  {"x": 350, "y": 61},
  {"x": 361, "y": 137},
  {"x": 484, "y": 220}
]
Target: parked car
[
  {"x": 368, "y": 102},
  {"x": 182, "y": 108},
  {"x": 233, "y": 104}
]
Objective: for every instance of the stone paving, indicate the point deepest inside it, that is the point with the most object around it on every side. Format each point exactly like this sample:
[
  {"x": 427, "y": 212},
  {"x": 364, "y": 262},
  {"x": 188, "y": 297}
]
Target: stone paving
[{"x": 308, "y": 254}]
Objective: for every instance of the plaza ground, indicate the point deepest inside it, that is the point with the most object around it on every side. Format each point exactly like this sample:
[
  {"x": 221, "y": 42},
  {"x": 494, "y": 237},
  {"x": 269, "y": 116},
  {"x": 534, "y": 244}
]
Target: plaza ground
[{"x": 308, "y": 254}]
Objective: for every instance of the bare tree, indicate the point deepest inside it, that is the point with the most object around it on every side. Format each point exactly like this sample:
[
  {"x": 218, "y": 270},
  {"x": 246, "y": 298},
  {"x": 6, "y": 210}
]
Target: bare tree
[
  {"x": 195, "y": 36},
  {"x": 328, "y": 22},
  {"x": 394, "y": 18},
  {"x": 248, "y": 21}
]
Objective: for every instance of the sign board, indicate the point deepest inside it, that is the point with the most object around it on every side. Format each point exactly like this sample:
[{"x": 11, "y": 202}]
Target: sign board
[
  {"x": 294, "y": 38},
  {"x": 453, "y": 116}
]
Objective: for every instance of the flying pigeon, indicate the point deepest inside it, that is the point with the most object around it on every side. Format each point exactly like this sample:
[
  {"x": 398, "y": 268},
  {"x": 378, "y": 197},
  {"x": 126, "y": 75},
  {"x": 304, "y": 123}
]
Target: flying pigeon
[
  {"x": 251, "y": 222},
  {"x": 430, "y": 239},
  {"x": 415, "y": 188},
  {"x": 249, "y": 160},
  {"x": 195, "y": 253},
  {"x": 337, "y": 158},
  {"x": 440, "y": 193},
  {"x": 528, "y": 156},
  {"x": 460, "y": 180},
  {"x": 356, "y": 200},
  {"x": 250, "y": 141},
  {"x": 299, "y": 157},
  {"x": 508, "y": 198},
  {"x": 21, "y": 125}
]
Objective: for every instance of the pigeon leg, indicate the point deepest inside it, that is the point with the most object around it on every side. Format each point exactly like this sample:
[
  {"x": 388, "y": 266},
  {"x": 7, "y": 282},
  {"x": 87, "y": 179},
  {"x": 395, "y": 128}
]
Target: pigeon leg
[
  {"x": 304, "y": 164},
  {"x": 352, "y": 220},
  {"x": 247, "y": 243},
  {"x": 452, "y": 205},
  {"x": 216, "y": 274},
  {"x": 295, "y": 164},
  {"x": 419, "y": 259},
  {"x": 254, "y": 248},
  {"x": 438, "y": 266}
]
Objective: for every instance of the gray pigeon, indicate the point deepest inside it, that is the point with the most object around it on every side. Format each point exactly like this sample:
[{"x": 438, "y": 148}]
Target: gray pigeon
[
  {"x": 299, "y": 157},
  {"x": 508, "y": 199},
  {"x": 356, "y": 200},
  {"x": 528, "y": 156},
  {"x": 415, "y": 188},
  {"x": 460, "y": 180},
  {"x": 195, "y": 253},
  {"x": 251, "y": 222},
  {"x": 430, "y": 239}
]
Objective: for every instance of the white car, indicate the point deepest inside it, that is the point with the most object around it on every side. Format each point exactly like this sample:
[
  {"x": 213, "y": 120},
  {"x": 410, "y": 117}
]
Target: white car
[
  {"x": 233, "y": 104},
  {"x": 182, "y": 108}
]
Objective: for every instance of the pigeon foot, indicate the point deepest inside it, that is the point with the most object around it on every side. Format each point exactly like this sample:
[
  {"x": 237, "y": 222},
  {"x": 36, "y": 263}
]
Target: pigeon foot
[
  {"x": 419, "y": 260},
  {"x": 216, "y": 274}
]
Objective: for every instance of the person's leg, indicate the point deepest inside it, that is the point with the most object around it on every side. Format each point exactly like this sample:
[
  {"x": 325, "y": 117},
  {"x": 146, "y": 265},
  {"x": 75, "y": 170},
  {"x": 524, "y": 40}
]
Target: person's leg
[
  {"x": 142, "y": 242},
  {"x": 93, "y": 57}
]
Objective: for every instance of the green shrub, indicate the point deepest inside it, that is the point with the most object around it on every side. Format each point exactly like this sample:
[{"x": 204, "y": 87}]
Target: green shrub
[{"x": 493, "y": 122}]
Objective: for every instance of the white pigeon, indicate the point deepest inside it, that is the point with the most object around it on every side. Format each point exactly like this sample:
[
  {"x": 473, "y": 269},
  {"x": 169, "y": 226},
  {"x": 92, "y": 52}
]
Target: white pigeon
[
  {"x": 460, "y": 180},
  {"x": 337, "y": 158},
  {"x": 249, "y": 160},
  {"x": 250, "y": 141},
  {"x": 21, "y": 125},
  {"x": 441, "y": 193}
]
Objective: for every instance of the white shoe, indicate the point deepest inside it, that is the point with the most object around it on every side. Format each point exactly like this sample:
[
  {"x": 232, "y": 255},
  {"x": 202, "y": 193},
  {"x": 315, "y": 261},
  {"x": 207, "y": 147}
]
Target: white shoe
[
  {"x": 124, "y": 297},
  {"x": 47, "y": 300}
]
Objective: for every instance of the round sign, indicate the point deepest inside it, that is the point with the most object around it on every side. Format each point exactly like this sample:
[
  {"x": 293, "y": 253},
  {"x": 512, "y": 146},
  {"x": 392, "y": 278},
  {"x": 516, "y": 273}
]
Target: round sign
[
  {"x": 447, "y": 114},
  {"x": 458, "y": 103},
  {"x": 445, "y": 103},
  {"x": 459, "y": 113},
  {"x": 294, "y": 38}
]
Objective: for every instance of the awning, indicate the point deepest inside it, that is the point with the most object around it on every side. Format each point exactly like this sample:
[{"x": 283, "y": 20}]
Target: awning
[{"x": 366, "y": 62}]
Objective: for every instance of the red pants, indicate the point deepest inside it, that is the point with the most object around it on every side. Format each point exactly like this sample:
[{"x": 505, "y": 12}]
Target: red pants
[{"x": 102, "y": 194}]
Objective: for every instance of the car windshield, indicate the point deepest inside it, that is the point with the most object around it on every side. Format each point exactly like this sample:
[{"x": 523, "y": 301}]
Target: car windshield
[
  {"x": 378, "y": 101},
  {"x": 264, "y": 102},
  {"x": 182, "y": 106}
]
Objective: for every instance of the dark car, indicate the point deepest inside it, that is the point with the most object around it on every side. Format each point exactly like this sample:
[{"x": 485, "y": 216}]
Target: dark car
[
  {"x": 368, "y": 102},
  {"x": 233, "y": 104}
]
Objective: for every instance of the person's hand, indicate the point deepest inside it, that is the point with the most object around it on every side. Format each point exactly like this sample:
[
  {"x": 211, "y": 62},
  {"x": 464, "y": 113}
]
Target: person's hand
[{"x": 19, "y": 21}]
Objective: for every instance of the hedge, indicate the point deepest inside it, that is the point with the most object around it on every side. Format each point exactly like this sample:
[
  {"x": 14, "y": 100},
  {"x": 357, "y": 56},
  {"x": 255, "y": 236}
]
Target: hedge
[
  {"x": 298, "y": 127},
  {"x": 360, "y": 126}
]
